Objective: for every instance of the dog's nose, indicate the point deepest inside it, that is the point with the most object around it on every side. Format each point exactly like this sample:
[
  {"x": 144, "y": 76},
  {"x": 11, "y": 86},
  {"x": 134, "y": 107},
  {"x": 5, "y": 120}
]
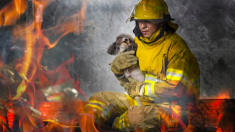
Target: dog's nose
[{"x": 125, "y": 39}]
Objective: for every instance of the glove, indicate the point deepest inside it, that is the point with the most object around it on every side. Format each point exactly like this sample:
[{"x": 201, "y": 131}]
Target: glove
[
  {"x": 123, "y": 61},
  {"x": 132, "y": 87}
]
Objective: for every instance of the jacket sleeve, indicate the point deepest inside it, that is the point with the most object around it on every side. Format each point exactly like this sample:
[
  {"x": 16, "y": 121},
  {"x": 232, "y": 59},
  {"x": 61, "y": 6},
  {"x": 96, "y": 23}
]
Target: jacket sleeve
[{"x": 181, "y": 75}]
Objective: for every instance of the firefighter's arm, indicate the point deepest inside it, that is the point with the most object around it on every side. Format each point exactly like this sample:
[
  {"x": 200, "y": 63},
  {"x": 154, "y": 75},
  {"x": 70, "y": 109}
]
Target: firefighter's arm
[
  {"x": 132, "y": 87},
  {"x": 174, "y": 83}
]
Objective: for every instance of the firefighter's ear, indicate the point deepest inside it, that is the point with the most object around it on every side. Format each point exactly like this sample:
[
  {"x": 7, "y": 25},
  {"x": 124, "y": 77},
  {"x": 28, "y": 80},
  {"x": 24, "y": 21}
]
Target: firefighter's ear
[{"x": 113, "y": 49}]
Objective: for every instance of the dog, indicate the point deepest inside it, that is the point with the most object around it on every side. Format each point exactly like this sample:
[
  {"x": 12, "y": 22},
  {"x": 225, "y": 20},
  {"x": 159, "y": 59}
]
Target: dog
[{"x": 124, "y": 43}]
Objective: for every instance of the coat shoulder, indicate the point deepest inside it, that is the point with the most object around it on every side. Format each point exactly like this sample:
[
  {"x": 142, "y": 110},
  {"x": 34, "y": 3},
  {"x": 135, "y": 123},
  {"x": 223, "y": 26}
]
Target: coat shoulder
[{"x": 176, "y": 41}]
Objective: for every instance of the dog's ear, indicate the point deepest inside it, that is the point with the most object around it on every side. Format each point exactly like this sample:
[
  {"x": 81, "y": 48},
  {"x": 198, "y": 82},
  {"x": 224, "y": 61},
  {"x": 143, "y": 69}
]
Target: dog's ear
[
  {"x": 113, "y": 49},
  {"x": 133, "y": 45}
]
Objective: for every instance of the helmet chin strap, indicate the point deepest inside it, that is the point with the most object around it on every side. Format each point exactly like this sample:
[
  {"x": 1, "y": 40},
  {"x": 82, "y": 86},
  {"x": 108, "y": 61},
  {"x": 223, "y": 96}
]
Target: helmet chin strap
[{"x": 138, "y": 33}]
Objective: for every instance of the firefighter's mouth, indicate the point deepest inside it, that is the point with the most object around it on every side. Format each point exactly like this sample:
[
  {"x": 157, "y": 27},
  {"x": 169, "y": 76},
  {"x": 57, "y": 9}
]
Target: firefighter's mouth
[{"x": 144, "y": 32}]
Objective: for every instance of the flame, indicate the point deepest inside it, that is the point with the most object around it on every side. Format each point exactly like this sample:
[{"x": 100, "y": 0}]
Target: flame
[
  {"x": 2, "y": 120},
  {"x": 217, "y": 114},
  {"x": 219, "y": 130},
  {"x": 36, "y": 41},
  {"x": 10, "y": 116},
  {"x": 11, "y": 12},
  {"x": 31, "y": 42},
  {"x": 223, "y": 95},
  {"x": 30, "y": 69},
  {"x": 51, "y": 110},
  {"x": 1, "y": 64}
]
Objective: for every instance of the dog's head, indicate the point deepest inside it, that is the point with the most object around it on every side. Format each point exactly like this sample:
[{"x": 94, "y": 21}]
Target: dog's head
[{"x": 123, "y": 43}]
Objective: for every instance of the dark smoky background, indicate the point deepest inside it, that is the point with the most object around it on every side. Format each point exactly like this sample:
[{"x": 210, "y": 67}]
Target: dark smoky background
[{"x": 208, "y": 27}]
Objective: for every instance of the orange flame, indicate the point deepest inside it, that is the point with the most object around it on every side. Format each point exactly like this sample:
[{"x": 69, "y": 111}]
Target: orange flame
[
  {"x": 11, "y": 13},
  {"x": 223, "y": 95},
  {"x": 29, "y": 66},
  {"x": 36, "y": 41},
  {"x": 28, "y": 60}
]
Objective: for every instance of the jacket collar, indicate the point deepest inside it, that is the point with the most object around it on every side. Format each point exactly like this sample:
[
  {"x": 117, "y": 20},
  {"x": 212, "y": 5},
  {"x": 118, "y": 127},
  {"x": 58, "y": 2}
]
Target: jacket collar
[{"x": 152, "y": 40}]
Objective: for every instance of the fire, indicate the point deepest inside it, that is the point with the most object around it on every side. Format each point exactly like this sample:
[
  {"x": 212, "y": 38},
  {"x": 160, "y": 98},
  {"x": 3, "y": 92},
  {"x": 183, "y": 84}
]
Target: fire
[
  {"x": 36, "y": 41},
  {"x": 11, "y": 13},
  {"x": 30, "y": 69},
  {"x": 0, "y": 63},
  {"x": 223, "y": 95}
]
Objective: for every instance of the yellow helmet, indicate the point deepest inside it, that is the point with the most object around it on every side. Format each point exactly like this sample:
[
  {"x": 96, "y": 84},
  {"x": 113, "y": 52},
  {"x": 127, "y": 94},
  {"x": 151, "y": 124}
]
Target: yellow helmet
[{"x": 149, "y": 10}]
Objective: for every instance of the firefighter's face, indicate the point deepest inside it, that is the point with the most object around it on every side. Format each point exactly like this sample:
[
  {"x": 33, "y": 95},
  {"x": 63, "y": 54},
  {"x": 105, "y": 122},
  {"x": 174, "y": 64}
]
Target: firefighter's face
[{"x": 147, "y": 28}]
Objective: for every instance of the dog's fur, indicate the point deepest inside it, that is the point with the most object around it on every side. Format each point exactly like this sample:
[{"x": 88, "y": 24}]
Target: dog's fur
[{"x": 123, "y": 43}]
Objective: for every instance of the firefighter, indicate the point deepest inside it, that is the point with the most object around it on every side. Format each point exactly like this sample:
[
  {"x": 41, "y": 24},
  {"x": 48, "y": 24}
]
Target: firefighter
[{"x": 171, "y": 73}]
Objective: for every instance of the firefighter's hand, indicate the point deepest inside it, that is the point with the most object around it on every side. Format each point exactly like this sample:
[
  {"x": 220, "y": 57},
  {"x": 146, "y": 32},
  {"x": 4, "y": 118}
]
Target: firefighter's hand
[
  {"x": 123, "y": 61},
  {"x": 132, "y": 87}
]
